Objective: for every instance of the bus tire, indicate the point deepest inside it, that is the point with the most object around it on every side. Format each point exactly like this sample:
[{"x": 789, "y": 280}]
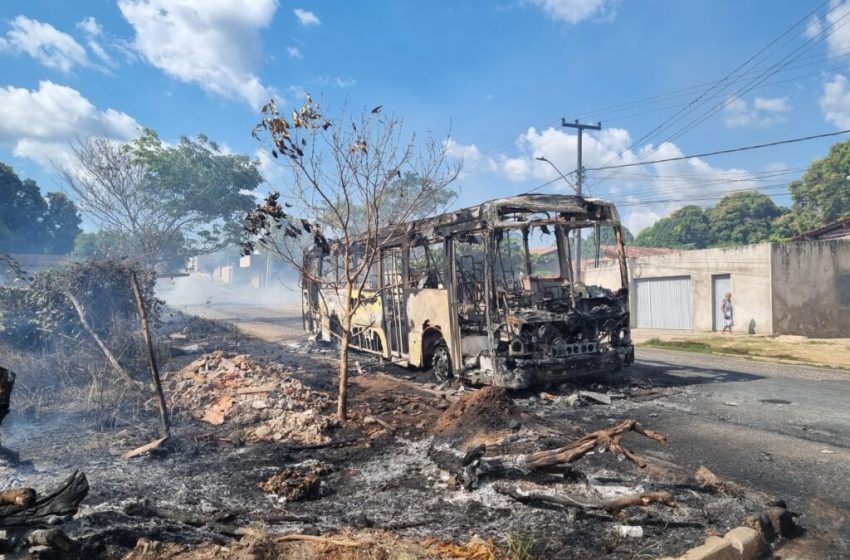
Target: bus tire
[{"x": 441, "y": 361}]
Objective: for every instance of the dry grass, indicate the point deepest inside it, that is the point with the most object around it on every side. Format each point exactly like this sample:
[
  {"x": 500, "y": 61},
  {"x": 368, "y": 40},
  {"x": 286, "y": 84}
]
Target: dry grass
[
  {"x": 366, "y": 545},
  {"x": 826, "y": 352}
]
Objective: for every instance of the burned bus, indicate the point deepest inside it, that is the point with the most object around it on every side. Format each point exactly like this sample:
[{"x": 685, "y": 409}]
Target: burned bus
[{"x": 489, "y": 294}]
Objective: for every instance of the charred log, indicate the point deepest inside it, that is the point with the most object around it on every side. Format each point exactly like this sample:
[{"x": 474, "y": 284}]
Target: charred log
[
  {"x": 614, "y": 507},
  {"x": 147, "y": 509},
  {"x": 62, "y": 503},
  {"x": 7, "y": 382},
  {"x": 23, "y": 497},
  {"x": 470, "y": 467}
]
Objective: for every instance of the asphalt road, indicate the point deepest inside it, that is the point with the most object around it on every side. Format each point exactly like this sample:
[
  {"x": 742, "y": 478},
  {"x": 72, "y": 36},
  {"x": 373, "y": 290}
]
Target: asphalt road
[{"x": 776, "y": 427}]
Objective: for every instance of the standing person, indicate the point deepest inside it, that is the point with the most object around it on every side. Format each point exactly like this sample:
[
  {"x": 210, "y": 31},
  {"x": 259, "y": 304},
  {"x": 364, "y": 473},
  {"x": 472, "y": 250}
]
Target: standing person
[{"x": 726, "y": 309}]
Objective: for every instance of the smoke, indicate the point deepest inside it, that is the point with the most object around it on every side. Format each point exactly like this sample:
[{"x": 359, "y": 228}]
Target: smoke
[{"x": 199, "y": 289}]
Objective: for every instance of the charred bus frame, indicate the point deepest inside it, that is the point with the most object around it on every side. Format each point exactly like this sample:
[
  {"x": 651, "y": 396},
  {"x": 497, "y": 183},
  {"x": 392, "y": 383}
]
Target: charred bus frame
[{"x": 464, "y": 294}]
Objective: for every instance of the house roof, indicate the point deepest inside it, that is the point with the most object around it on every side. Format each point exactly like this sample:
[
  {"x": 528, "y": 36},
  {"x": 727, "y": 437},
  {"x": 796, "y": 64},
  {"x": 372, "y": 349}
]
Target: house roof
[
  {"x": 542, "y": 250},
  {"x": 839, "y": 229},
  {"x": 634, "y": 251},
  {"x": 610, "y": 251}
]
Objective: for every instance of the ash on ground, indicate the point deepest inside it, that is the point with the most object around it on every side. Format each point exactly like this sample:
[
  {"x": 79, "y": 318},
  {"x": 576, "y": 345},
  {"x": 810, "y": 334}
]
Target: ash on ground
[{"x": 255, "y": 453}]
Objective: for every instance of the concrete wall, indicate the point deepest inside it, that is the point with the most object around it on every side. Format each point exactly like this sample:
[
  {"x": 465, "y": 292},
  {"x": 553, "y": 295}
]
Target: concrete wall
[
  {"x": 811, "y": 288},
  {"x": 749, "y": 268},
  {"x": 606, "y": 275}
]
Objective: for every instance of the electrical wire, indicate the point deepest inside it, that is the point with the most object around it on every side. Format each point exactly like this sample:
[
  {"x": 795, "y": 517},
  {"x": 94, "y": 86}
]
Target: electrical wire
[{"x": 720, "y": 152}]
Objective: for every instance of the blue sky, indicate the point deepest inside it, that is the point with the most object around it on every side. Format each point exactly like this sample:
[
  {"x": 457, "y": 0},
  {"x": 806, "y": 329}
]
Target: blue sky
[{"x": 497, "y": 75}]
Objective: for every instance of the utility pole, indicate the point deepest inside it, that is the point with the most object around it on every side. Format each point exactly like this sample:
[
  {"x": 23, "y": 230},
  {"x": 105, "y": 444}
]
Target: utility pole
[{"x": 579, "y": 173}]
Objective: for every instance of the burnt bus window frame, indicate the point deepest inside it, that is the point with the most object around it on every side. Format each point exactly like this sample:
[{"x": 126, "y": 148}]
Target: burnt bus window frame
[{"x": 480, "y": 292}]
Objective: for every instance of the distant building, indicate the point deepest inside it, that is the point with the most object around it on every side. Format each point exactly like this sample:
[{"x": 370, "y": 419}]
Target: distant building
[
  {"x": 839, "y": 229},
  {"x": 800, "y": 287}
]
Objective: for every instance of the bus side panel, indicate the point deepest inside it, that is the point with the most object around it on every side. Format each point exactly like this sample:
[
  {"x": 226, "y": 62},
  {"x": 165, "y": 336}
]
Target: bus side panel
[
  {"x": 368, "y": 316},
  {"x": 426, "y": 308}
]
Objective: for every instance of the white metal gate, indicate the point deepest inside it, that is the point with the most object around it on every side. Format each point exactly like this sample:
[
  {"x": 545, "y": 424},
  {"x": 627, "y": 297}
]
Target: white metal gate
[
  {"x": 664, "y": 303},
  {"x": 721, "y": 284}
]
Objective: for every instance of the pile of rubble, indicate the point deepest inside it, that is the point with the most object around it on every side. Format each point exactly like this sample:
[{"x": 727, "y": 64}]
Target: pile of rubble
[
  {"x": 262, "y": 400},
  {"x": 299, "y": 482}
]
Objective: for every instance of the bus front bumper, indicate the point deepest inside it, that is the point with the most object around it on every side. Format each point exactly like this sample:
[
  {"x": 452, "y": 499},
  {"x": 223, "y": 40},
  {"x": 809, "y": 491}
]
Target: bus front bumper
[{"x": 522, "y": 373}]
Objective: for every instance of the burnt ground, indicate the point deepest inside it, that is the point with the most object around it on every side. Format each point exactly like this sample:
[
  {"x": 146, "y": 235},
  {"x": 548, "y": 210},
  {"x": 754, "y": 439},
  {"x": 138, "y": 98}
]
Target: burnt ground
[{"x": 378, "y": 478}]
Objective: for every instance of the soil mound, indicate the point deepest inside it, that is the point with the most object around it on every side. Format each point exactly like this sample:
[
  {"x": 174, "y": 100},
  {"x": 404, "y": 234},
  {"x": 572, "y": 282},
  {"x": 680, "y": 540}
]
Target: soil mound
[{"x": 476, "y": 414}]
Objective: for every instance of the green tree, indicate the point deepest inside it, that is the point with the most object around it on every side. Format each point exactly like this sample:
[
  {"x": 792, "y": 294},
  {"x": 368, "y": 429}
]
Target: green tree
[
  {"x": 62, "y": 222},
  {"x": 686, "y": 228},
  {"x": 606, "y": 237},
  {"x": 29, "y": 223},
  {"x": 162, "y": 202},
  {"x": 823, "y": 193},
  {"x": 743, "y": 217}
]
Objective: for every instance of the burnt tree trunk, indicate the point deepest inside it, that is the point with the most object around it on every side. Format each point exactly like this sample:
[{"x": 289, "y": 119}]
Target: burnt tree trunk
[
  {"x": 110, "y": 357},
  {"x": 32, "y": 511},
  {"x": 614, "y": 507},
  {"x": 146, "y": 333},
  {"x": 7, "y": 382}
]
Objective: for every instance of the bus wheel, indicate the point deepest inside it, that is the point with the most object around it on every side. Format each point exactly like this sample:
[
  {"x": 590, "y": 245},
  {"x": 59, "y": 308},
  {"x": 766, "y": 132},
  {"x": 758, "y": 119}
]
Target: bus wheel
[{"x": 441, "y": 362}]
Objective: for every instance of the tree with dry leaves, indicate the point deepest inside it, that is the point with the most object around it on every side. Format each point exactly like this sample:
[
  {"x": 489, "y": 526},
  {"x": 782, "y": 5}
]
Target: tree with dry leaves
[
  {"x": 351, "y": 182},
  {"x": 157, "y": 202}
]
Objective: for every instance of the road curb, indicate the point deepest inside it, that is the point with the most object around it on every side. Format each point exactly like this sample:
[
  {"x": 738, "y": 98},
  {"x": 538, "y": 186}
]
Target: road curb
[{"x": 741, "y": 543}]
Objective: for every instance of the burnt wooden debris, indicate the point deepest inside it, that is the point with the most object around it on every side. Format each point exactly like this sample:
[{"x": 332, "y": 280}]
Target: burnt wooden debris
[
  {"x": 614, "y": 507},
  {"x": 7, "y": 383},
  {"x": 473, "y": 465},
  {"x": 28, "y": 510}
]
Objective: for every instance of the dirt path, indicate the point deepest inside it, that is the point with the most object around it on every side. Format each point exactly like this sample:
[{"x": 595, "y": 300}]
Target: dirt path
[{"x": 829, "y": 352}]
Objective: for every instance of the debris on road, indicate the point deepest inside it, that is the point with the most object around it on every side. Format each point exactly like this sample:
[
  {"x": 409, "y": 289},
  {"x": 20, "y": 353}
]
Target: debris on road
[
  {"x": 263, "y": 400},
  {"x": 299, "y": 482},
  {"x": 146, "y": 448},
  {"x": 601, "y": 398}
]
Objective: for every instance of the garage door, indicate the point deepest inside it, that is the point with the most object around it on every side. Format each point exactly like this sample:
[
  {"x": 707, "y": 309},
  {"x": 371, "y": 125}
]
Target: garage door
[{"x": 664, "y": 303}]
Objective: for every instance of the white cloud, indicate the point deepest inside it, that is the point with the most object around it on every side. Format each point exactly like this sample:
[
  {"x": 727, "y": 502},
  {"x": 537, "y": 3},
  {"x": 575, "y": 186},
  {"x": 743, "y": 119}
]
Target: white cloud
[
  {"x": 93, "y": 30},
  {"x": 214, "y": 44},
  {"x": 38, "y": 124},
  {"x": 270, "y": 168},
  {"x": 90, "y": 26},
  {"x": 776, "y": 166},
  {"x": 344, "y": 82},
  {"x": 575, "y": 11},
  {"x": 638, "y": 217},
  {"x": 836, "y": 29},
  {"x": 294, "y": 52},
  {"x": 646, "y": 192},
  {"x": 814, "y": 27},
  {"x": 306, "y": 17},
  {"x": 835, "y": 101},
  {"x": 763, "y": 112},
  {"x": 45, "y": 43},
  {"x": 772, "y": 104},
  {"x": 470, "y": 154}
]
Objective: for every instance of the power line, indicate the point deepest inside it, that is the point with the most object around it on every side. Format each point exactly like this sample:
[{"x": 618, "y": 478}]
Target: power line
[
  {"x": 720, "y": 152},
  {"x": 650, "y": 100},
  {"x": 776, "y": 67},
  {"x": 688, "y": 108}
]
